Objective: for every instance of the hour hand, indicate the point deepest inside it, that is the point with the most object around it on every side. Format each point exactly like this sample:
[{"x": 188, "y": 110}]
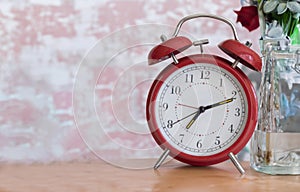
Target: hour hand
[{"x": 191, "y": 122}]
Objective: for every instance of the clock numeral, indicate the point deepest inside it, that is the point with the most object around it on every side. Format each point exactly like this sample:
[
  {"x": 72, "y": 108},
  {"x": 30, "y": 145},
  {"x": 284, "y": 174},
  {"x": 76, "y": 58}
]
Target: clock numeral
[
  {"x": 189, "y": 78},
  {"x": 234, "y": 94},
  {"x": 175, "y": 90},
  {"x": 230, "y": 129},
  {"x": 181, "y": 137},
  {"x": 204, "y": 74},
  {"x": 165, "y": 106},
  {"x": 199, "y": 144},
  {"x": 237, "y": 112},
  {"x": 217, "y": 141},
  {"x": 169, "y": 124},
  {"x": 221, "y": 82}
]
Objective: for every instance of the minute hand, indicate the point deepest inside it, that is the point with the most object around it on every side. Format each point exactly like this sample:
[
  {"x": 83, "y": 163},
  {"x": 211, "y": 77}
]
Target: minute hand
[{"x": 219, "y": 103}]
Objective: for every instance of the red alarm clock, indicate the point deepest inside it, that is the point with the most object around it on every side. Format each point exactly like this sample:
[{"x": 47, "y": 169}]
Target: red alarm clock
[{"x": 202, "y": 109}]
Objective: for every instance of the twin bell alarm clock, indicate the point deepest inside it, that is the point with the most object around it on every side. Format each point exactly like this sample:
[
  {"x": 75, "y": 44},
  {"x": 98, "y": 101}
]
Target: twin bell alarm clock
[{"x": 202, "y": 109}]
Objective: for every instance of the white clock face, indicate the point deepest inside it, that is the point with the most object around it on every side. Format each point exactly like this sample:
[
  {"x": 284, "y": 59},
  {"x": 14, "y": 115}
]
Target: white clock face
[{"x": 201, "y": 109}]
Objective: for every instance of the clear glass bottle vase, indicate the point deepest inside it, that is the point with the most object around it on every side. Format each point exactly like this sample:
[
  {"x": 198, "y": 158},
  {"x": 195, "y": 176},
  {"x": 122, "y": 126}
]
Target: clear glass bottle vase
[{"x": 275, "y": 146}]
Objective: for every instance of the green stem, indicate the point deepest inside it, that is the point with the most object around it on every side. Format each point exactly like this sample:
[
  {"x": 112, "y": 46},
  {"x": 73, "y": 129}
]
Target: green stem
[
  {"x": 295, "y": 36},
  {"x": 292, "y": 26}
]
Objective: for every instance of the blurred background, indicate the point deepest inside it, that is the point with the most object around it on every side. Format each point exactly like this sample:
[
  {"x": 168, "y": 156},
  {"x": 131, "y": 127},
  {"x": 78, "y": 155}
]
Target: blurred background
[{"x": 74, "y": 75}]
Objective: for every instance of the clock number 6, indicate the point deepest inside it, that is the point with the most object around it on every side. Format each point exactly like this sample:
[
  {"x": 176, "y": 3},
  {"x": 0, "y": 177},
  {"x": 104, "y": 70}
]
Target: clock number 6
[{"x": 199, "y": 144}]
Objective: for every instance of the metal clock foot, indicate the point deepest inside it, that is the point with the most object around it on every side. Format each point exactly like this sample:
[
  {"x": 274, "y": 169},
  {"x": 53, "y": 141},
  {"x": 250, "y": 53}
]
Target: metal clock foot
[
  {"x": 236, "y": 163},
  {"x": 162, "y": 158}
]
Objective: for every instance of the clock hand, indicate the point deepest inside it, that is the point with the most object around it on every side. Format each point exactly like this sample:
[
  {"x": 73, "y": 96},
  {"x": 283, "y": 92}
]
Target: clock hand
[
  {"x": 209, "y": 106},
  {"x": 218, "y": 103},
  {"x": 184, "y": 118},
  {"x": 202, "y": 109},
  {"x": 188, "y": 106}
]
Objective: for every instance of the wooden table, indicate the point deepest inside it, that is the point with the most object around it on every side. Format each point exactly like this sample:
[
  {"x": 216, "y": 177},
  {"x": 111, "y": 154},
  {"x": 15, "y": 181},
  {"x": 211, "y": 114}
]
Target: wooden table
[{"x": 173, "y": 176}]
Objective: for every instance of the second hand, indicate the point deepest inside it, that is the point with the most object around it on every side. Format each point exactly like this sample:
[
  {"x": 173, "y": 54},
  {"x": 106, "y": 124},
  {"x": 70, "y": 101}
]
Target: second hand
[{"x": 188, "y": 106}]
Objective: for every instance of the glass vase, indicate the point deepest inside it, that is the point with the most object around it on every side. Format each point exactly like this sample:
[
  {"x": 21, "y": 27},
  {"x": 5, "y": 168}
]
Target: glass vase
[{"x": 275, "y": 146}]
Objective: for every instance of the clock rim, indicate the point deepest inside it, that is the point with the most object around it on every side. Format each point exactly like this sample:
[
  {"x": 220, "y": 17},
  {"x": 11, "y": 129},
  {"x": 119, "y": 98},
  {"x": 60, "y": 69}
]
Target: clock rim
[{"x": 250, "y": 125}]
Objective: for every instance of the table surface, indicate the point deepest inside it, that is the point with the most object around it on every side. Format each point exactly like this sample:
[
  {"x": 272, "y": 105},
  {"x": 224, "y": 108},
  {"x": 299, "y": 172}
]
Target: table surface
[{"x": 172, "y": 176}]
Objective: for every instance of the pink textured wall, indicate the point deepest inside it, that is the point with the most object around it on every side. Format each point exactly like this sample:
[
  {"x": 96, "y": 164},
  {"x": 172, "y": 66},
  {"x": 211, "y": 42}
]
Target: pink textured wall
[{"x": 51, "y": 50}]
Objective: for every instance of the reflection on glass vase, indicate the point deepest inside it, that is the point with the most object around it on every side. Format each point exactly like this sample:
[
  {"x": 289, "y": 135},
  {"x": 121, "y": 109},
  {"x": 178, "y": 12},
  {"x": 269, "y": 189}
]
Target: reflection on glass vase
[{"x": 275, "y": 146}]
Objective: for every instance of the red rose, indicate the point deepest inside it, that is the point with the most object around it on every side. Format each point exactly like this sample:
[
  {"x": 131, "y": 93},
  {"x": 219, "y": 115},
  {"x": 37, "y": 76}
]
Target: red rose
[{"x": 248, "y": 16}]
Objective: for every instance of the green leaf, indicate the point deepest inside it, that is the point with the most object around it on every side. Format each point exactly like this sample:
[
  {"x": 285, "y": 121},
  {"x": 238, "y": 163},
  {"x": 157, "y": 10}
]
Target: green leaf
[
  {"x": 293, "y": 6},
  {"x": 270, "y": 6},
  {"x": 282, "y": 7}
]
